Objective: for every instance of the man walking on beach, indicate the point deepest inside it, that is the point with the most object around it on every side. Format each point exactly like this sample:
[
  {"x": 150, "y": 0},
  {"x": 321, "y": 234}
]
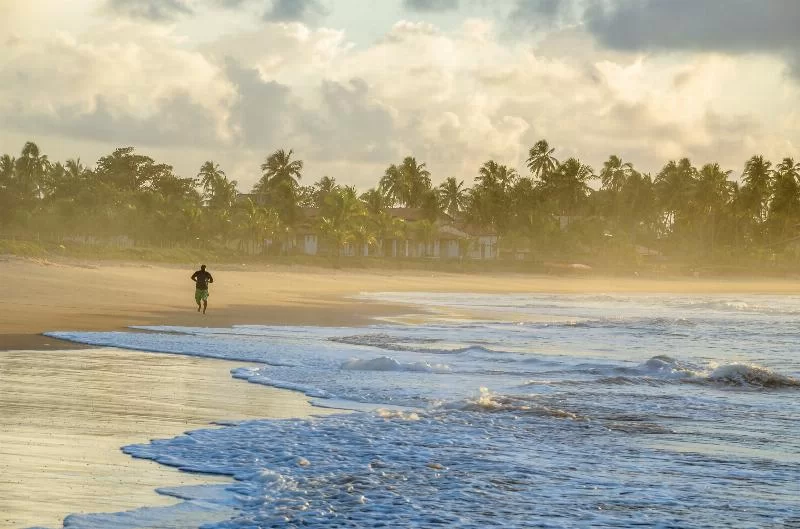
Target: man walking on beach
[{"x": 201, "y": 279}]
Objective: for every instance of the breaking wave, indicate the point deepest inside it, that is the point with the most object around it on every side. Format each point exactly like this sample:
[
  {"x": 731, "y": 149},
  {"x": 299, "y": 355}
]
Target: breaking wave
[
  {"x": 752, "y": 376},
  {"x": 399, "y": 343},
  {"x": 386, "y": 363},
  {"x": 494, "y": 403}
]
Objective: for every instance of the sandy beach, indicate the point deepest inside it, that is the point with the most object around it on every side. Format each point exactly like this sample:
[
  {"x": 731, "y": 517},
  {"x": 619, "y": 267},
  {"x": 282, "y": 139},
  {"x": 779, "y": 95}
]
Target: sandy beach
[
  {"x": 40, "y": 296},
  {"x": 67, "y": 410},
  {"x": 65, "y": 415}
]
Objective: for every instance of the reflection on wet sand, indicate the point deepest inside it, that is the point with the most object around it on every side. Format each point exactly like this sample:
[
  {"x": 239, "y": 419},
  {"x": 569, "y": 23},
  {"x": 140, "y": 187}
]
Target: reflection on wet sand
[{"x": 65, "y": 414}]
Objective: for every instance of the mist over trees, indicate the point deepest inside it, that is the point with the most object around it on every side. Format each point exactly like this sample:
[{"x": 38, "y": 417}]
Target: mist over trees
[{"x": 553, "y": 209}]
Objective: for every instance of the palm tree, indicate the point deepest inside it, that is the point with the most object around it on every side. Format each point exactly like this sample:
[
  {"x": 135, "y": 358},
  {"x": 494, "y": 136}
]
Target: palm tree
[
  {"x": 614, "y": 173},
  {"x": 7, "y": 202},
  {"x": 638, "y": 199},
  {"x": 343, "y": 213},
  {"x": 712, "y": 193},
  {"x": 210, "y": 172},
  {"x": 75, "y": 178},
  {"x": 393, "y": 186},
  {"x": 568, "y": 185},
  {"x": 452, "y": 196},
  {"x": 219, "y": 193},
  {"x": 388, "y": 227},
  {"x": 374, "y": 201},
  {"x": 7, "y": 167},
  {"x": 490, "y": 200},
  {"x": 674, "y": 187},
  {"x": 541, "y": 160},
  {"x": 257, "y": 223},
  {"x": 407, "y": 183},
  {"x": 364, "y": 236},
  {"x": 53, "y": 181},
  {"x": 279, "y": 184},
  {"x": 492, "y": 175},
  {"x": 757, "y": 179},
  {"x": 279, "y": 170},
  {"x": 789, "y": 168},
  {"x": 31, "y": 168},
  {"x": 418, "y": 178},
  {"x": 324, "y": 187},
  {"x": 190, "y": 220},
  {"x": 784, "y": 209}
]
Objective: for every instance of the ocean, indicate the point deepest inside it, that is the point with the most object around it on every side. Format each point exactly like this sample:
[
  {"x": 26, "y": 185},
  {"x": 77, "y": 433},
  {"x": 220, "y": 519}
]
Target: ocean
[{"x": 670, "y": 411}]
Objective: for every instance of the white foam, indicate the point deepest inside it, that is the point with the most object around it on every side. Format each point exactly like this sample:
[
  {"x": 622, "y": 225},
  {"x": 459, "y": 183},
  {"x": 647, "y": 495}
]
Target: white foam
[
  {"x": 428, "y": 447},
  {"x": 751, "y": 375},
  {"x": 385, "y": 363}
]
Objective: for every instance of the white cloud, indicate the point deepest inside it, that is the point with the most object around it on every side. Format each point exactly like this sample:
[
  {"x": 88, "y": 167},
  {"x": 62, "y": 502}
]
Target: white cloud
[
  {"x": 451, "y": 98},
  {"x": 126, "y": 70}
]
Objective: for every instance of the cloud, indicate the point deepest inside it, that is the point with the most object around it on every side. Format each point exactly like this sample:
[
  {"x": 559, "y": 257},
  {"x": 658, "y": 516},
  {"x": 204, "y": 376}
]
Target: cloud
[
  {"x": 351, "y": 121},
  {"x": 179, "y": 122},
  {"x": 153, "y": 10},
  {"x": 229, "y": 4},
  {"x": 453, "y": 98},
  {"x": 431, "y": 5},
  {"x": 538, "y": 13},
  {"x": 124, "y": 81},
  {"x": 736, "y": 26},
  {"x": 294, "y": 10},
  {"x": 263, "y": 111}
]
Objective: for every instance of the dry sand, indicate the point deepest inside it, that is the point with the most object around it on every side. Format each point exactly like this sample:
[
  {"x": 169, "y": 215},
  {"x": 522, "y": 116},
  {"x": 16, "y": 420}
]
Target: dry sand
[
  {"x": 64, "y": 414},
  {"x": 40, "y": 296}
]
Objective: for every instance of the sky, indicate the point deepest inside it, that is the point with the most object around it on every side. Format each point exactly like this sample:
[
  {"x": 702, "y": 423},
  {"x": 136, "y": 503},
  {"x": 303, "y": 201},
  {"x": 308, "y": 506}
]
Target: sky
[{"x": 353, "y": 86}]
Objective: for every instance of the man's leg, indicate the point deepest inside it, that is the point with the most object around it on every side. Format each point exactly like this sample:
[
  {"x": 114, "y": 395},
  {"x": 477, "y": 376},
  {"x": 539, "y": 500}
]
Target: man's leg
[
  {"x": 197, "y": 299},
  {"x": 205, "y": 305}
]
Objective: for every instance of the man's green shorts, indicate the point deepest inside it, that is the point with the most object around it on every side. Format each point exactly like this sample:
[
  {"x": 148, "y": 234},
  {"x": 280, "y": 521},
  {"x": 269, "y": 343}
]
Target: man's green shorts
[{"x": 200, "y": 295}]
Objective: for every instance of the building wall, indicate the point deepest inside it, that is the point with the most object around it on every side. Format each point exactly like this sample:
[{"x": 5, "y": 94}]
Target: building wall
[
  {"x": 485, "y": 247},
  {"x": 310, "y": 244},
  {"x": 449, "y": 249}
]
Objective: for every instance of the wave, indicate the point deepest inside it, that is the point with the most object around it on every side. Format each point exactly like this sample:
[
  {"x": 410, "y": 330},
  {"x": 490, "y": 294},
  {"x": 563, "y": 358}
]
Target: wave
[
  {"x": 409, "y": 344},
  {"x": 633, "y": 381},
  {"x": 663, "y": 370},
  {"x": 752, "y": 376},
  {"x": 736, "y": 306},
  {"x": 494, "y": 403},
  {"x": 386, "y": 363},
  {"x": 255, "y": 376}
]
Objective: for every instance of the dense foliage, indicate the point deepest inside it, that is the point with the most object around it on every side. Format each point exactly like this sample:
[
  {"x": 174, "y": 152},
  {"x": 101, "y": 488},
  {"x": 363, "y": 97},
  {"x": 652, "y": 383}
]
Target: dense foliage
[{"x": 553, "y": 210}]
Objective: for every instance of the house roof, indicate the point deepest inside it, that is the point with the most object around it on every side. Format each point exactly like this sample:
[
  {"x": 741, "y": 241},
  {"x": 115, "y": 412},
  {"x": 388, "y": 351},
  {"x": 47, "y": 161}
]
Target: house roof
[
  {"x": 475, "y": 230},
  {"x": 410, "y": 214}
]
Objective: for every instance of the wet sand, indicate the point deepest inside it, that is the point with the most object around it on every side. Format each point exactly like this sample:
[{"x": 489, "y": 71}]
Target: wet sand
[{"x": 66, "y": 414}]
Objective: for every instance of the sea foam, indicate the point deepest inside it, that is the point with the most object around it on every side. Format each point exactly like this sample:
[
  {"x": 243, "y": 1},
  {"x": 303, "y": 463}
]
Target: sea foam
[{"x": 533, "y": 424}]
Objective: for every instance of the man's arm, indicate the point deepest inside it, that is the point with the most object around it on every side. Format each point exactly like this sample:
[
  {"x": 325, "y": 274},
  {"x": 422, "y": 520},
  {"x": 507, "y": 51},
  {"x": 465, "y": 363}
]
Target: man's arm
[
  {"x": 194, "y": 277},
  {"x": 210, "y": 279}
]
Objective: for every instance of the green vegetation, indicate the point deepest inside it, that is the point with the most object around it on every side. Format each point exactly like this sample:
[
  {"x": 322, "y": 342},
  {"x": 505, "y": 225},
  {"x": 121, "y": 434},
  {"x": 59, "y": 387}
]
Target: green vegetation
[{"x": 685, "y": 218}]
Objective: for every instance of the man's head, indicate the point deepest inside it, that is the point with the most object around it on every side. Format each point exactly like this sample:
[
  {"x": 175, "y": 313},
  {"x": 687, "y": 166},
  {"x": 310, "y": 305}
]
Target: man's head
[{"x": 202, "y": 267}]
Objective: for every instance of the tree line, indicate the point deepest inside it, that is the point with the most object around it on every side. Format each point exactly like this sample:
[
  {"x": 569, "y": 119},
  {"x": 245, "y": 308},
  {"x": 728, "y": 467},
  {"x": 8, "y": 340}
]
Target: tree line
[{"x": 550, "y": 209}]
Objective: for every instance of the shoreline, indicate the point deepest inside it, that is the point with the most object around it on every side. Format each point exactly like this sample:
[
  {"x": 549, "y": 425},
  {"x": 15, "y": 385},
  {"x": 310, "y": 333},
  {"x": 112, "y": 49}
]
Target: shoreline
[
  {"x": 67, "y": 414},
  {"x": 112, "y": 386},
  {"x": 96, "y": 296}
]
